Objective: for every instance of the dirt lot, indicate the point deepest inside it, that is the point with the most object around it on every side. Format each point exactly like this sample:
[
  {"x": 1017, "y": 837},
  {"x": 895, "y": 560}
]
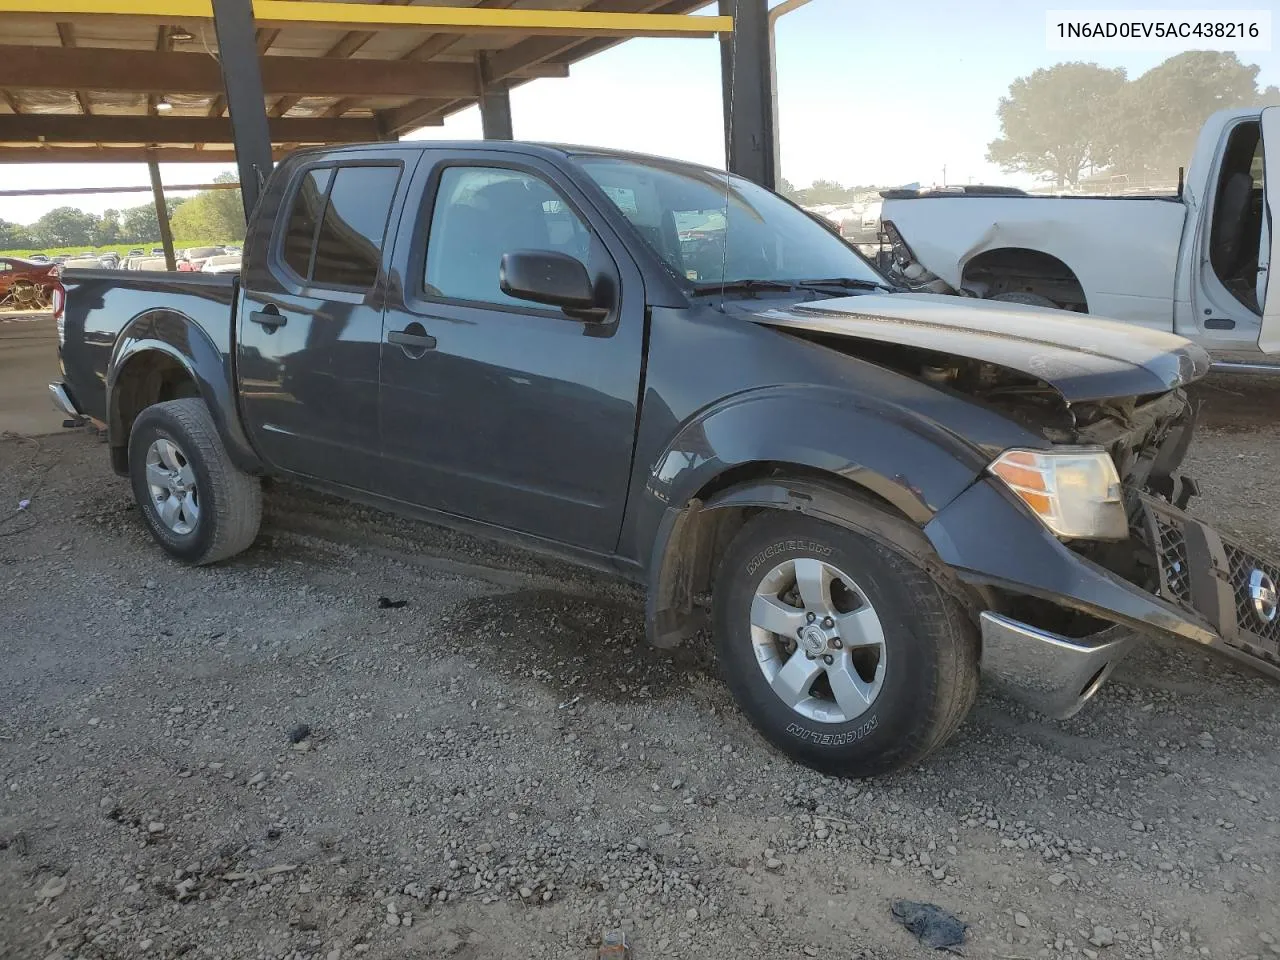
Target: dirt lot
[{"x": 256, "y": 761}]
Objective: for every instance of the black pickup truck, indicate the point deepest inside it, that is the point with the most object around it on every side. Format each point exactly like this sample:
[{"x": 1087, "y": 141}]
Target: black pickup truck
[{"x": 870, "y": 497}]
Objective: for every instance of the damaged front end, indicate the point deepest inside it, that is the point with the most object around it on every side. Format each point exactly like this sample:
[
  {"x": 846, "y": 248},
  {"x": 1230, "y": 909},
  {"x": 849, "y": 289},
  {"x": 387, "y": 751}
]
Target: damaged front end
[{"x": 1063, "y": 612}]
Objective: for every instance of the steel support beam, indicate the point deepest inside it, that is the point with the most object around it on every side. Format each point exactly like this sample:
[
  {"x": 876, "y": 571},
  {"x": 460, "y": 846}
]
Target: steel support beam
[
  {"x": 246, "y": 103},
  {"x": 495, "y": 103},
  {"x": 464, "y": 20},
  {"x": 162, "y": 216},
  {"x": 747, "y": 78}
]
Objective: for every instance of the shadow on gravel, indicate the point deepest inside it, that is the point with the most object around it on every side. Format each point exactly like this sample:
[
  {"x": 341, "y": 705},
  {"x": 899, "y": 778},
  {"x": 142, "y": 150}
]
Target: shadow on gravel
[{"x": 580, "y": 647}]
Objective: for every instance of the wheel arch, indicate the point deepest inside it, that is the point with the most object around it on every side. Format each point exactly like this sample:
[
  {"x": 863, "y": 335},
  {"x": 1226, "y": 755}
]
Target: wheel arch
[
  {"x": 164, "y": 355},
  {"x": 1023, "y": 269},
  {"x": 692, "y": 538}
]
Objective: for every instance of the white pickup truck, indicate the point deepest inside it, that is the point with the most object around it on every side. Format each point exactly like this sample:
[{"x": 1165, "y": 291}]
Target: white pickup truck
[{"x": 1195, "y": 263}]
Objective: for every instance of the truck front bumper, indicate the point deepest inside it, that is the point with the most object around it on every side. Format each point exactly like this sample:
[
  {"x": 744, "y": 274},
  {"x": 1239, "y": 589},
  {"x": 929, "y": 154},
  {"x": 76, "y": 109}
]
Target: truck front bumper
[{"x": 1212, "y": 591}]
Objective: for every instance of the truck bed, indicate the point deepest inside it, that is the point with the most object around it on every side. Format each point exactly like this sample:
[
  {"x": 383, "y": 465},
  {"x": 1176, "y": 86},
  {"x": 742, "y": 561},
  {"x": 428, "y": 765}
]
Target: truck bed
[{"x": 108, "y": 311}]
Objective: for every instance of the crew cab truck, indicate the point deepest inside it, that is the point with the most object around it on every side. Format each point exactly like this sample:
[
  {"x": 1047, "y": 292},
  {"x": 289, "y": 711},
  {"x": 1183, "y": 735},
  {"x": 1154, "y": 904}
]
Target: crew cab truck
[
  {"x": 1196, "y": 264},
  {"x": 873, "y": 498}
]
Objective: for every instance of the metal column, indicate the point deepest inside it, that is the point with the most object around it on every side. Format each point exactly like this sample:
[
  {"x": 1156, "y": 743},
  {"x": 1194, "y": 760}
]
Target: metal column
[
  {"x": 246, "y": 105},
  {"x": 747, "y": 79},
  {"x": 495, "y": 103},
  {"x": 162, "y": 215}
]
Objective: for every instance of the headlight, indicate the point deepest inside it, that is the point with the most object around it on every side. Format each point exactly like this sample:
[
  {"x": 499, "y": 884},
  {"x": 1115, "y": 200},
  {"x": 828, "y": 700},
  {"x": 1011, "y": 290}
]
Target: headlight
[{"x": 1074, "y": 491}]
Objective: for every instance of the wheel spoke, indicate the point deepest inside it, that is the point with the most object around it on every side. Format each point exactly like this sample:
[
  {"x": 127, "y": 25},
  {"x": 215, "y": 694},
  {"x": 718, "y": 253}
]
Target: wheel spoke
[
  {"x": 186, "y": 475},
  {"x": 157, "y": 476},
  {"x": 813, "y": 579},
  {"x": 852, "y": 693},
  {"x": 190, "y": 510},
  {"x": 169, "y": 509},
  {"x": 168, "y": 454},
  {"x": 793, "y": 681},
  {"x": 861, "y": 628},
  {"x": 770, "y": 613}
]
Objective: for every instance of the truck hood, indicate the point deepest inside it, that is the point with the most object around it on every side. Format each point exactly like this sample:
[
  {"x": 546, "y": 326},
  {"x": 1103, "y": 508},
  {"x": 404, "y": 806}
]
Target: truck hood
[{"x": 1083, "y": 358}]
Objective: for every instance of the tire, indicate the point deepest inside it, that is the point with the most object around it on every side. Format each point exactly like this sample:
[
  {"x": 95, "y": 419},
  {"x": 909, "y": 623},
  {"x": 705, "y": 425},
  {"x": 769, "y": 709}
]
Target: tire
[
  {"x": 927, "y": 664},
  {"x": 1030, "y": 299},
  {"x": 220, "y": 517}
]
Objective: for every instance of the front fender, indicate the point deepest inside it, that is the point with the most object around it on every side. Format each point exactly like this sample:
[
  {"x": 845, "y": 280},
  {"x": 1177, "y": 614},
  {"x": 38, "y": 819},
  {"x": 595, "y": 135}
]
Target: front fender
[
  {"x": 183, "y": 340},
  {"x": 900, "y": 457}
]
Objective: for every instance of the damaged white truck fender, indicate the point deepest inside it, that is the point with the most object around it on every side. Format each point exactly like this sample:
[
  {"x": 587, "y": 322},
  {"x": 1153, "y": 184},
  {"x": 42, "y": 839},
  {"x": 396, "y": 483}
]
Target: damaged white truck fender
[{"x": 1194, "y": 263}]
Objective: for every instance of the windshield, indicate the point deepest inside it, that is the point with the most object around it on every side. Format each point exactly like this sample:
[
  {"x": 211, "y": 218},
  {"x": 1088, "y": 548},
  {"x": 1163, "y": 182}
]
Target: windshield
[{"x": 710, "y": 228}]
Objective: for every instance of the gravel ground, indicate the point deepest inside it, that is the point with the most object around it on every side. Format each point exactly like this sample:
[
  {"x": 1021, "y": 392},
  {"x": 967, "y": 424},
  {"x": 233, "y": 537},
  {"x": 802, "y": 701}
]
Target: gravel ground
[{"x": 257, "y": 761}]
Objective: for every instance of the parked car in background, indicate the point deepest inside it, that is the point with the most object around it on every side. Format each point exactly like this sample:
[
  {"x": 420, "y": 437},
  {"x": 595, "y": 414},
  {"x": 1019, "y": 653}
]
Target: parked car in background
[
  {"x": 151, "y": 263},
  {"x": 39, "y": 258},
  {"x": 136, "y": 252},
  {"x": 196, "y": 256},
  {"x": 110, "y": 259},
  {"x": 26, "y": 284},
  {"x": 157, "y": 251},
  {"x": 87, "y": 263},
  {"x": 222, "y": 263},
  {"x": 1195, "y": 263},
  {"x": 862, "y": 226},
  {"x": 871, "y": 497}
]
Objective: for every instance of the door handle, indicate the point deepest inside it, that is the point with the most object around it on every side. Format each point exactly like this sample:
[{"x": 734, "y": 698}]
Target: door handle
[
  {"x": 414, "y": 337},
  {"x": 268, "y": 317}
]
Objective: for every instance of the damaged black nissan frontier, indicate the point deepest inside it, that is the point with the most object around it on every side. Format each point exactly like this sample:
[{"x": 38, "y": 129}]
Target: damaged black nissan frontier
[{"x": 872, "y": 499}]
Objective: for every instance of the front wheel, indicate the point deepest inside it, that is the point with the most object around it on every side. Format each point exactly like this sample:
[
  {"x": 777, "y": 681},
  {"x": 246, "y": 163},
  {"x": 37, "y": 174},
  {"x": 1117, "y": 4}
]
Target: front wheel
[
  {"x": 842, "y": 652},
  {"x": 197, "y": 504}
]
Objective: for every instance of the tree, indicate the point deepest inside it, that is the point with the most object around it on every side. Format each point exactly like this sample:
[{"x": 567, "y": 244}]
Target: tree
[
  {"x": 108, "y": 229},
  {"x": 1054, "y": 123},
  {"x": 139, "y": 224},
  {"x": 211, "y": 216},
  {"x": 65, "y": 227},
  {"x": 14, "y": 236},
  {"x": 786, "y": 187},
  {"x": 1158, "y": 116}
]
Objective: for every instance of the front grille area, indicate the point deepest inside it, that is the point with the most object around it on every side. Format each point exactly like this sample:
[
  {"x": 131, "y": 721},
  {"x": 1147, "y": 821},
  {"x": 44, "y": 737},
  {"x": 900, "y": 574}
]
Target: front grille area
[
  {"x": 1174, "y": 573},
  {"x": 1216, "y": 560},
  {"x": 1242, "y": 565}
]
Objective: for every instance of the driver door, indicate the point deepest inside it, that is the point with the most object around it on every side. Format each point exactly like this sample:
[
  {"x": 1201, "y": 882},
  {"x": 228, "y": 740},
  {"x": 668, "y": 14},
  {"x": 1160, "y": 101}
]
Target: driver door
[{"x": 1268, "y": 289}]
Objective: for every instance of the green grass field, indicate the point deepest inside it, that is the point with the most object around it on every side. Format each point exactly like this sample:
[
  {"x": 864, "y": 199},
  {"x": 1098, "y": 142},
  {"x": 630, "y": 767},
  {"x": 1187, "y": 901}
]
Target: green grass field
[{"x": 120, "y": 248}]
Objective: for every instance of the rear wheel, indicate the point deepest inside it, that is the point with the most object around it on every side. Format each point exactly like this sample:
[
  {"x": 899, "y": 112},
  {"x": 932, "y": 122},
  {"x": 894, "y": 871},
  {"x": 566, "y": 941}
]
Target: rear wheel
[
  {"x": 194, "y": 500},
  {"x": 842, "y": 652}
]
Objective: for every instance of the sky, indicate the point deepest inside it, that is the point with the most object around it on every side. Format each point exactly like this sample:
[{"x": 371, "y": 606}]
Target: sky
[{"x": 882, "y": 93}]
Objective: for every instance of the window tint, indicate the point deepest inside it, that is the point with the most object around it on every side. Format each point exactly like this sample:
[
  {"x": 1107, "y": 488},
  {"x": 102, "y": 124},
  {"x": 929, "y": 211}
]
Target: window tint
[
  {"x": 349, "y": 246},
  {"x": 301, "y": 231},
  {"x": 480, "y": 214}
]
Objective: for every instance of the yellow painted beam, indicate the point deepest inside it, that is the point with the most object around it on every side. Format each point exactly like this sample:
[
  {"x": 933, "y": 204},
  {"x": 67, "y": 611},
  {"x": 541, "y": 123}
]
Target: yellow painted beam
[{"x": 369, "y": 16}]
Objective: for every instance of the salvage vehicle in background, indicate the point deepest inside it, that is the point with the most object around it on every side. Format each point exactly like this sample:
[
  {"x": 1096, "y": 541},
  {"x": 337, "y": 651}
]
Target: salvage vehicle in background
[
  {"x": 872, "y": 497},
  {"x": 1195, "y": 264},
  {"x": 26, "y": 284}
]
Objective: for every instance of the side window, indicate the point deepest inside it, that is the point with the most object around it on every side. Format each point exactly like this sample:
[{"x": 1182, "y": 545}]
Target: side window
[
  {"x": 483, "y": 212},
  {"x": 349, "y": 245},
  {"x": 338, "y": 224},
  {"x": 300, "y": 234}
]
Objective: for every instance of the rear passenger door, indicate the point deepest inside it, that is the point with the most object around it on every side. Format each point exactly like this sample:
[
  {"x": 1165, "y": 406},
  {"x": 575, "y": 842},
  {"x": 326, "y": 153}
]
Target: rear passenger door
[
  {"x": 497, "y": 409},
  {"x": 310, "y": 324}
]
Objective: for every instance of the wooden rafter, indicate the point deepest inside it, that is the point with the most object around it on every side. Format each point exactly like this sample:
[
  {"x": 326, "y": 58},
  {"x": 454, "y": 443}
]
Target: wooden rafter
[
  {"x": 67, "y": 37},
  {"x": 92, "y": 154},
  {"x": 53, "y": 128},
  {"x": 148, "y": 71}
]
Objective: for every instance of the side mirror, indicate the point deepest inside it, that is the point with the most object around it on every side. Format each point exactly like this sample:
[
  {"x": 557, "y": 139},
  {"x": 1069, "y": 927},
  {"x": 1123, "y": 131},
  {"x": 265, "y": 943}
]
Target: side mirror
[{"x": 545, "y": 276}]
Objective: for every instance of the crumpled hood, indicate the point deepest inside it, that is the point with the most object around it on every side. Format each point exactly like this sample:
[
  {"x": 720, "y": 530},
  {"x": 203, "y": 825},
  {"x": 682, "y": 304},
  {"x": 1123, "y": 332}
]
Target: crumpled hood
[{"x": 1082, "y": 357}]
